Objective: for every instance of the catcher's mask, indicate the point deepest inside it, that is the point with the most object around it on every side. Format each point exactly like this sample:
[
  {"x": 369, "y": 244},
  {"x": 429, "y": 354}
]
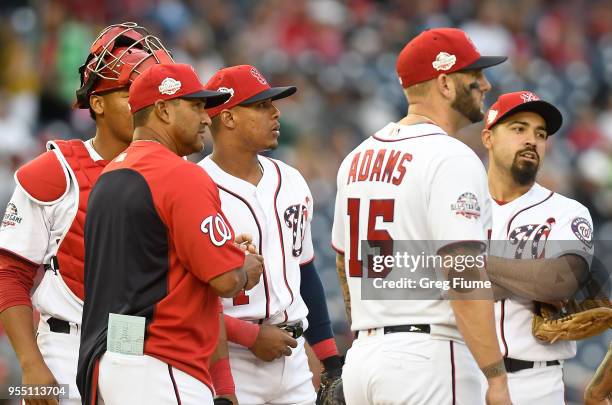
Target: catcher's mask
[{"x": 119, "y": 54}]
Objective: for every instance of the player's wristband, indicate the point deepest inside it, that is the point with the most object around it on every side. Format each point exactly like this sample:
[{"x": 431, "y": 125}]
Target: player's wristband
[
  {"x": 325, "y": 349},
  {"x": 222, "y": 379},
  {"x": 241, "y": 332}
]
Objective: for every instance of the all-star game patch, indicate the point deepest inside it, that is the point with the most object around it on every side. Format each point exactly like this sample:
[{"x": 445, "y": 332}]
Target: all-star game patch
[
  {"x": 583, "y": 231},
  {"x": 467, "y": 205},
  {"x": 11, "y": 216}
]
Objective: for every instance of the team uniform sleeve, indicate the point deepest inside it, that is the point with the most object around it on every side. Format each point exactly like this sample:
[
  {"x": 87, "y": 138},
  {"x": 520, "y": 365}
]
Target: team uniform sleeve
[
  {"x": 202, "y": 236},
  {"x": 16, "y": 281},
  {"x": 25, "y": 228},
  {"x": 24, "y": 239},
  {"x": 573, "y": 234},
  {"x": 339, "y": 217},
  {"x": 458, "y": 206}
]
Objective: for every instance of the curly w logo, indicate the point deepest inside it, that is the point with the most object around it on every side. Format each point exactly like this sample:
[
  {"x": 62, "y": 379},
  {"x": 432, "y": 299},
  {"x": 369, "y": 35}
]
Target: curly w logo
[{"x": 296, "y": 217}]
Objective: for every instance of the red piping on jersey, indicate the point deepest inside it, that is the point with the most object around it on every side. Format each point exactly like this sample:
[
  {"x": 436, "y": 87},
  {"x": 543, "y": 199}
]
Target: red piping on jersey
[
  {"x": 265, "y": 279},
  {"x": 525, "y": 209},
  {"x": 403, "y": 139},
  {"x": 280, "y": 230},
  {"x": 452, "y": 355},
  {"x": 501, "y": 327},
  {"x": 503, "y": 302},
  {"x": 94, "y": 383},
  {"x": 176, "y": 391}
]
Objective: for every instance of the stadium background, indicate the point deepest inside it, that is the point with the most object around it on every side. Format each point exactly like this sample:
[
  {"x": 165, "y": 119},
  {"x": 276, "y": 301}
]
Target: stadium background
[{"x": 341, "y": 55}]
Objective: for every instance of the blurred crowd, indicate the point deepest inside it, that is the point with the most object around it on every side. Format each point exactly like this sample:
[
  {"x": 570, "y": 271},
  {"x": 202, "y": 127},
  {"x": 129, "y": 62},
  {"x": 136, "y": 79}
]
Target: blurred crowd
[{"x": 341, "y": 55}]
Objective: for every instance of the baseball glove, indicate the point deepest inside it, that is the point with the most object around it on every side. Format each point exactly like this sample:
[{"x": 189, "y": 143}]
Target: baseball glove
[
  {"x": 575, "y": 321},
  {"x": 330, "y": 390}
]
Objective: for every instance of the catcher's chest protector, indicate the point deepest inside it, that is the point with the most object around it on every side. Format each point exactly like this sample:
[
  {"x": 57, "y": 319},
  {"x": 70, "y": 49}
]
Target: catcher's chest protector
[{"x": 71, "y": 251}]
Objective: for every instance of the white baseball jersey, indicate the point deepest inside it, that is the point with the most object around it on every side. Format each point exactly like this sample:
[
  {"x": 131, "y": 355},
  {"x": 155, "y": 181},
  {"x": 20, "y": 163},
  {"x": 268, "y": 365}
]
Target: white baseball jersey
[
  {"x": 410, "y": 183},
  {"x": 277, "y": 213},
  {"x": 37, "y": 236},
  {"x": 35, "y": 232},
  {"x": 538, "y": 224}
]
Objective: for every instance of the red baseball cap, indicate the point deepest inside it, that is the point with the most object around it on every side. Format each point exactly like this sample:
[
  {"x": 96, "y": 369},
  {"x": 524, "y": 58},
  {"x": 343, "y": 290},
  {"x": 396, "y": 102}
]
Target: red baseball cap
[
  {"x": 169, "y": 81},
  {"x": 244, "y": 85},
  {"x": 437, "y": 51},
  {"x": 512, "y": 103}
]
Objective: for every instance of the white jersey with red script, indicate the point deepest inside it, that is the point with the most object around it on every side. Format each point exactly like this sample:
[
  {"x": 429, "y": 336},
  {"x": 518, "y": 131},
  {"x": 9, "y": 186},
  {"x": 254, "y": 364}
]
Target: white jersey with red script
[
  {"x": 540, "y": 223},
  {"x": 277, "y": 214},
  {"x": 407, "y": 183}
]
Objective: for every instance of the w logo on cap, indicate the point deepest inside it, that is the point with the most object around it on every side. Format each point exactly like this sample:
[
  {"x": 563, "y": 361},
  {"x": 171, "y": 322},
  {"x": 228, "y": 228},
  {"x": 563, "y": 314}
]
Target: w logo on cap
[
  {"x": 255, "y": 73},
  {"x": 529, "y": 96}
]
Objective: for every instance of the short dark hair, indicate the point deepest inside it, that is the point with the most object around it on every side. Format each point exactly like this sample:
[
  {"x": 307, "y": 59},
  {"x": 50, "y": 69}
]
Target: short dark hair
[{"x": 141, "y": 117}]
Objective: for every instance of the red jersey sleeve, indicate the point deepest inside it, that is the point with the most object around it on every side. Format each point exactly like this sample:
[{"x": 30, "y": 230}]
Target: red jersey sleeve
[
  {"x": 202, "y": 236},
  {"x": 16, "y": 280}
]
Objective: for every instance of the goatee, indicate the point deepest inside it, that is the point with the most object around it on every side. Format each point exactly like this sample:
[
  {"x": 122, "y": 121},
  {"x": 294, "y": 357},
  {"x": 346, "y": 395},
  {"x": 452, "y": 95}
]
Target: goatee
[{"x": 524, "y": 173}]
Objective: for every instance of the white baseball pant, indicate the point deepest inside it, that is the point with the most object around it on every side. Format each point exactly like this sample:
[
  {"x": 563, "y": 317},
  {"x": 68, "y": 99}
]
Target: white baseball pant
[
  {"x": 61, "y": 354},
  {"x": 128, "y": 379},
  {"x": 409, "y": 369},
  {"x": 283, "y": 381}
]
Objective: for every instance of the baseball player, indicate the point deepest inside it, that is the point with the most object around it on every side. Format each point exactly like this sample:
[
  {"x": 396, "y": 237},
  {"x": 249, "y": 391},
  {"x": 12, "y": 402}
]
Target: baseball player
[
  {"x": 599, "y": 390},
  {"x": 414, "y": 181},
  {"x": 158, "y": 251},
  {"x": 270, "y": 201},
  {"x": 43, "y": 224},
  {"x": 539, "y": 228}
]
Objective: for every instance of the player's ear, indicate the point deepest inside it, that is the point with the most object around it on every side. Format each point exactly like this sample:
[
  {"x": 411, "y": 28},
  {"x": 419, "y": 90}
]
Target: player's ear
[
  {"x": 485, "y": 137},
  {"x": 446, "y": 86},
  {"x": 162, "y": 110},
  {"x": 227, "y": 119},
  {"x": 96, "y": 103}
]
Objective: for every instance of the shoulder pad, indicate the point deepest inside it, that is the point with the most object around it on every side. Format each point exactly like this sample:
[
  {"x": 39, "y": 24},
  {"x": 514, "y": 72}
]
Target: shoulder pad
[{"x": 44, "y": 179}]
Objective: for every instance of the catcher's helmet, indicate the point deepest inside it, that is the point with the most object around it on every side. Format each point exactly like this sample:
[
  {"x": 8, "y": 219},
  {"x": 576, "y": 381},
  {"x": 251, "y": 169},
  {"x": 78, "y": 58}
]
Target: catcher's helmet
[{"x": 119, "y": 54}]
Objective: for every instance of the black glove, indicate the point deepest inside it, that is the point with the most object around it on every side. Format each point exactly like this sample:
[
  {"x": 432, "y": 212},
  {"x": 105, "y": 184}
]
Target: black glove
[
  {"x": 222, "y": 401},
  {"x": 330, "y": 390}
]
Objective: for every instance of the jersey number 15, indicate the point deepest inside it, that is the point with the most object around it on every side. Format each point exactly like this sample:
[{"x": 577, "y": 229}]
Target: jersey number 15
[{"x": 376, "y": 238}]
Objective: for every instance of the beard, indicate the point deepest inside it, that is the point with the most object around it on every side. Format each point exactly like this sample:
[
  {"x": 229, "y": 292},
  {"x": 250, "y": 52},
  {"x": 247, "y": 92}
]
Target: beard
[
  {"x": 465, "y": 105},
  {"x": 524, "y": 173}
]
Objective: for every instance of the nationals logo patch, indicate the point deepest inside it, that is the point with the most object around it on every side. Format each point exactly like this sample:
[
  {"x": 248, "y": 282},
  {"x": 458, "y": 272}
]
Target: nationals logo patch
[
  {"x": 536, "y": 233},
  {"x": 296, "y": 217},
  {"x": 215, "y": 227},
  {"x": 467, "y": 205},
  {"x": 11, "y": 216},
  {"x": 583, "y": 231}
]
